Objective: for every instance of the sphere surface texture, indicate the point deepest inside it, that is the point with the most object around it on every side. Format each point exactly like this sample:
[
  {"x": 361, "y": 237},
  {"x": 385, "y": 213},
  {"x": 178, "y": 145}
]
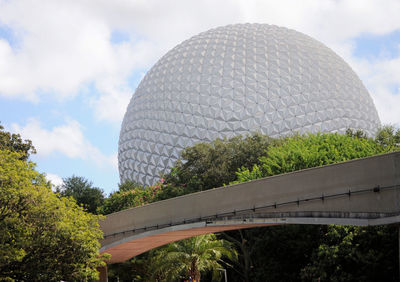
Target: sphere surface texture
[{"x": 235, "y": 80}]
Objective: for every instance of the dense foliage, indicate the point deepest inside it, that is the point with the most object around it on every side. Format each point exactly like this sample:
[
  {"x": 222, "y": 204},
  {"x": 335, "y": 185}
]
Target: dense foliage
[
  {"x": 351, "y": 253},
  {"x": 311, "y": 150},
  {"x": 14, "y": 142},
  {"x": 189, "y": 258},
  {"x": 42, "y": 237},
  {"x": 83, "y": 192},
  {"x": 210, "y": 165},
  {"x": 129, "y": 195}
]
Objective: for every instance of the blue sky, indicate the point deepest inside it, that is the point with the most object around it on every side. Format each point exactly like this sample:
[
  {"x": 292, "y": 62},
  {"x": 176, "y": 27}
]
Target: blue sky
[{"x": 69, "y": 68}]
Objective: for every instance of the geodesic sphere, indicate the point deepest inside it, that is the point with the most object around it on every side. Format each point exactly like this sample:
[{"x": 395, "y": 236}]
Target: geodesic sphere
[{"x": 235, "y": 80}]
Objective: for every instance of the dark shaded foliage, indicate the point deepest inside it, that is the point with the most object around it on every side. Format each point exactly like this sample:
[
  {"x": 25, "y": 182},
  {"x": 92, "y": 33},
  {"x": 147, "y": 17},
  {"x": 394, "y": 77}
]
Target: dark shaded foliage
[
  {"x": 82, "y": 190},
  {"x": 210, "y": 165}
]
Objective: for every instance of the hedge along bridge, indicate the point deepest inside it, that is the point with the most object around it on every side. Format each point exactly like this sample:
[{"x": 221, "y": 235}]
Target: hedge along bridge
[{"x": 359, "y": 192}]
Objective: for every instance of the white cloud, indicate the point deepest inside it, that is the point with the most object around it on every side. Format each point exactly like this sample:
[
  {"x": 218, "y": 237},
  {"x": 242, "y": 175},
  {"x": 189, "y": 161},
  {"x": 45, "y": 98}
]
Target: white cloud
[
  {"x": 54, "y": 179},
  {"x": 381, "y": 76},
  {"x": 387, "y": 105},
  {"x": 65, "y": 45},
  {"x": 67, "y": 139}
]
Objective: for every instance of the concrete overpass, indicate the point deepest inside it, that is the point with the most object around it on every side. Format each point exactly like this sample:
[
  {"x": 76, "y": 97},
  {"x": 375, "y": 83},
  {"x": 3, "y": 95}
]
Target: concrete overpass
[{"x": 359, "y": 192}]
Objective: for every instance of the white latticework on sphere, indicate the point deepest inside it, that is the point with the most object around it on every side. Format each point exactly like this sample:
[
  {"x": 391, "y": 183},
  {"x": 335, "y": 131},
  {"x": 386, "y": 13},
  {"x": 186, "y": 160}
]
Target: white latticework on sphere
[{"x": 235, "y": 80}]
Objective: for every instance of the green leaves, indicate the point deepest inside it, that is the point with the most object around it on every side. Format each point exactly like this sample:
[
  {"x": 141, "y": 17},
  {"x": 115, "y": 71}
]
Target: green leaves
[
  {"x": 352, "y": 253},
  {"x": 389, "y": 138},
  {"x": 210, "y": 165},
  {"x": 312, "y": 150},
  {"x": 14, "y": 142},
  {"x": 83, "y": 192},
  {"x": 42, "y": 237},
  {"x": 129, "y": 195},
  {"x": 191, "y": 257}
]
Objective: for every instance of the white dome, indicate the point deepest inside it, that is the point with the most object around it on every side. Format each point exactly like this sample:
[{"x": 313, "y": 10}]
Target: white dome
[{"x": 235, "y": 80}]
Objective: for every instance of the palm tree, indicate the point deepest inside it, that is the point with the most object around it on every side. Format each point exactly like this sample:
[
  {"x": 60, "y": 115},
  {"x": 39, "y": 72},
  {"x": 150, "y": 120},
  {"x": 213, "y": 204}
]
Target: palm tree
[{"x": 191, "y": 257}]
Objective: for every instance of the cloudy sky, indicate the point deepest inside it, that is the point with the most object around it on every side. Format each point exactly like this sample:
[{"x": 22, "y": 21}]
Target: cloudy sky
[{"x": 68, "y": 68}]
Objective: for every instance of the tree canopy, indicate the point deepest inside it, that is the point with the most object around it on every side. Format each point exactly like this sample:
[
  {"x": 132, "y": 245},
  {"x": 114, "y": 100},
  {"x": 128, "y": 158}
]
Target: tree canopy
[
  {"x": 129, "y": 195},
  {"x": 82, "y": 191},
  {"x": 210, "y": 165},
  {"x": 312, "y": 150},
  {"x": 42, "y": 237},
  {"x": 14, "y": 142},
  {"x": 352, "y": 253},
  {"x": 191, "y": 257}
]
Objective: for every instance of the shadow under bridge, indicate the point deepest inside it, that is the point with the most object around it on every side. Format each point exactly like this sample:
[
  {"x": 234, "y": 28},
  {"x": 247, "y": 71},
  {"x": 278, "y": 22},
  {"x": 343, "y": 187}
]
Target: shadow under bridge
[{"x": 358, "y": 192}]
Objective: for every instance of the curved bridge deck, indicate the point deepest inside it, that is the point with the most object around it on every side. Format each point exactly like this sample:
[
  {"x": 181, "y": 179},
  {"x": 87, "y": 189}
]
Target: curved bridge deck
[{"x": 358, "y": 192}]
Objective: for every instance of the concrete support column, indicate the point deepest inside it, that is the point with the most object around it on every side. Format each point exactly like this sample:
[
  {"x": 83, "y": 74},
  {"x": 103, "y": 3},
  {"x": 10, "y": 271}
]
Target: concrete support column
[{"x": 103, "y": 274}]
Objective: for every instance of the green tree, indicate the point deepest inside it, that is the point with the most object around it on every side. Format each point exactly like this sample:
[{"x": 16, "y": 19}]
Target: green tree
[
  {"x": 128, "y": 196},
  {"x": 82, "y": 191},
  {"x": 192, "y": 257},
  {"x": 42, "y": 237},
  {"x": 388, "y": 137},
  {"x": 14, "y": 142},
  {"x": 351, "y": 253},
  {"x": 210, "y": 165},
  {"x": 312, "y": 150}
]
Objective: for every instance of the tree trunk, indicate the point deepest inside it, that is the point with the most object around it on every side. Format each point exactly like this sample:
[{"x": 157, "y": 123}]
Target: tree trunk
[
  {"x": 194, "y": 272},
  {"x": 242, "y": 244},
  {"x": 246, "y": 257}
]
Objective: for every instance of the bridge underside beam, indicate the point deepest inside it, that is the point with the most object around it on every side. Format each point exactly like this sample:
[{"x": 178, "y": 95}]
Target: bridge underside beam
[
  {"x": 136, "y": 244},
  {"x": 127, "y": 248}
]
